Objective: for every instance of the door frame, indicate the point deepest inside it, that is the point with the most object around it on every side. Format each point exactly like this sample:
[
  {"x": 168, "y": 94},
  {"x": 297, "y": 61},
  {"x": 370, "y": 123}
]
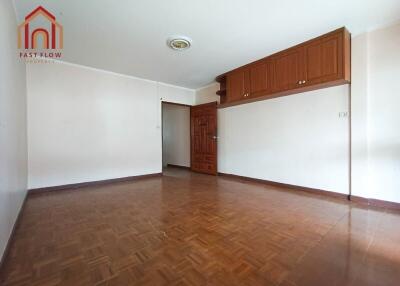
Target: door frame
[{"x": 162, "y": 133}]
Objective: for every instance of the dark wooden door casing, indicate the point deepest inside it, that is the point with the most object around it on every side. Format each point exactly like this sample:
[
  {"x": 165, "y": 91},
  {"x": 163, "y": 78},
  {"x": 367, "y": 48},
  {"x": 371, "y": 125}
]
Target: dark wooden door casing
[{"x": 203, "y": 138}]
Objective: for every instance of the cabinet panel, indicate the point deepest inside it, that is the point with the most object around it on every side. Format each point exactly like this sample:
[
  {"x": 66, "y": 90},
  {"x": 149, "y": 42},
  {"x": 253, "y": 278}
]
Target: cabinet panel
[
  {"x": 289, "y": 69},
  {"x": 324, "y": 59},
  {"x": 238, "y": 84},
  {"x": 261, "y": 78}
]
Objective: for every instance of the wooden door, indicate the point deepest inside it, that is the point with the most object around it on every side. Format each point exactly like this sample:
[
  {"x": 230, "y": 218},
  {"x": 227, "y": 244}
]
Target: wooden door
[
  {"x": 324, "y": 59},
  {"x": 203, "y": 138},
  {"x": 238, "y": 85},
  {"x": 289, "y": 69},
  {"x": 261, "y": 78}
]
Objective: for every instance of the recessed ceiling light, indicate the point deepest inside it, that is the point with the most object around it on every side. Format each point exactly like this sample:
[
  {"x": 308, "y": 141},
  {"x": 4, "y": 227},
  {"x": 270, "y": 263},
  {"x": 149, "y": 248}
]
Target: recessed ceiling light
[{"x": 179, "y": 43}]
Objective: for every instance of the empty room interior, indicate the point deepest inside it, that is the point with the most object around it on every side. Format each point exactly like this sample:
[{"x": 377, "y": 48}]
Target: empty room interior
[{"x": 177, "y": 142}]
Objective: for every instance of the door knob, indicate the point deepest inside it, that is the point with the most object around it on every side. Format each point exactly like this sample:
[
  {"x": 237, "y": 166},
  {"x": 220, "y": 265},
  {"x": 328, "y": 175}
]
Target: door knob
[
  {"x": 299, "y": 82},
  {"x": 304, "y": 81}
]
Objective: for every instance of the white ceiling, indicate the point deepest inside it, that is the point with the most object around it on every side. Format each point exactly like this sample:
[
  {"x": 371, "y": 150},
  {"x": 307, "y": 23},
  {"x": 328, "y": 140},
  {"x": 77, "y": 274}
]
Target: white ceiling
[{"x": 129, "y": 36}]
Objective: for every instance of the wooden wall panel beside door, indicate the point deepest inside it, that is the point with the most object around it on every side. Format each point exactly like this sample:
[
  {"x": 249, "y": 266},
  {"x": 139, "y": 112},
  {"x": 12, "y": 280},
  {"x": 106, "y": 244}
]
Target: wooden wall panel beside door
[{"x": 203, "y": 138}]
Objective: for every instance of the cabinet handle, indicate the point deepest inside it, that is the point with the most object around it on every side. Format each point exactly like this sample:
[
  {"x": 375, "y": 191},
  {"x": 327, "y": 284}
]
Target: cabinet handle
[
  {"x": 304, "y": 81},
  {"x": 299, "y": 82}
]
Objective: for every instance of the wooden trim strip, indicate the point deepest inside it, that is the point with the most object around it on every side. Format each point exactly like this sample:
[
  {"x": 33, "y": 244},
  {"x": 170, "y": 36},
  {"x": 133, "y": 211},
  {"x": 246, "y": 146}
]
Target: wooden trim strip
[
  {"x": 12, "y": 234},
  {"x": 173, "y": 103},
  {"x": 288, "y": 186},
  {"x": 353, "y": 199},
  {"x": 91, "y": 184},
  {"x": 211, "y": 104},
  {"x": 376, "y": 203},
  {"x": 178, "y": 166}
]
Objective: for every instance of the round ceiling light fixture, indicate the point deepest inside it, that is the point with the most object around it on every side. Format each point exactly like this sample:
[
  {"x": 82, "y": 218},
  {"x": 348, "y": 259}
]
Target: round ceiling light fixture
[{"x": 179, "y": 43}]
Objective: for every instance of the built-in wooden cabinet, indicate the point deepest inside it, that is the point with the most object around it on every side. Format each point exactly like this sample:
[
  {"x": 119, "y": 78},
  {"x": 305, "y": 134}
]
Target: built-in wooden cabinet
[
  {"x": 324, "y": 59},
  {"x": 261, "y": 78},
  {"x": 289, "y": 69},
  {"x": 318, "y": 63},
  {"x": 238, "y": 85}
]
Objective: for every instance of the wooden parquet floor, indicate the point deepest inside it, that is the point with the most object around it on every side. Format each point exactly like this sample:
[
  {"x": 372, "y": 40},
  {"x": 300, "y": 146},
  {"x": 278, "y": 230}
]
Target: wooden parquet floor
[{"x": 192, "y": 229}]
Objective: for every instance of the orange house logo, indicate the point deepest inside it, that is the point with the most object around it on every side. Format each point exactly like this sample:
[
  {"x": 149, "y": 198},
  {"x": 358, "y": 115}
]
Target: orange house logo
[{"x": 47, "y": 34}]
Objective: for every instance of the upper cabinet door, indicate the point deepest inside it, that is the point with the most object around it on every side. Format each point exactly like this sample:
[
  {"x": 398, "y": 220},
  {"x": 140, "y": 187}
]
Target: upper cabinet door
[
  {"x": 289, "y": 69},
  {"x": 261, "y": 78},
  {"x": 238, "y": 85},
  {"x": 324, "y": 59}
]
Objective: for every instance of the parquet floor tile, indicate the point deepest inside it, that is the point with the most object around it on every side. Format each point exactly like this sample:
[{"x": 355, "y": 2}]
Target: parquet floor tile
[{"x": 192, "y": 229}]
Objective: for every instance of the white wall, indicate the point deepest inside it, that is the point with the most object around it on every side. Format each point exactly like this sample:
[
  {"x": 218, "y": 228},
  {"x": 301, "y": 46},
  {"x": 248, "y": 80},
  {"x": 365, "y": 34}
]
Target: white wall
[
  {"x": 375, "y": 115},
  {"x": 375, "y": 121},
  {"x": 87, "y": 125},
  {"x": 13, "y": 157},
  {"x": 298, "y": 139},
  {"x": 176, "y": 94},
  {"x": 176, "y": 135},
  {"x": 359, "y": 117},
  {"x": 207, "y": 94},
  {"x": 384, "y": 113}
]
